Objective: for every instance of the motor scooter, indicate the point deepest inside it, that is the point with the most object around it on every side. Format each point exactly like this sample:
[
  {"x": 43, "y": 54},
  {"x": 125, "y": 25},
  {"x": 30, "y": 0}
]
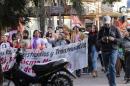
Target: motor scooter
[{"x": 53, "y": 73}]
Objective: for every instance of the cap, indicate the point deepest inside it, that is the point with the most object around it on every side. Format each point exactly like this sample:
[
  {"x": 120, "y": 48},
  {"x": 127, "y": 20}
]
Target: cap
[
  {"x": 107, "y": 19},
  {"x": 123, "y": 18}
]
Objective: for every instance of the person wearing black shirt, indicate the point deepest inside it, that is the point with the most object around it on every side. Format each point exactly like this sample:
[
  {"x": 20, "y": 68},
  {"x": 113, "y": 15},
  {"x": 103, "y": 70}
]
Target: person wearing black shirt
[{"x": 108, "y": 39}]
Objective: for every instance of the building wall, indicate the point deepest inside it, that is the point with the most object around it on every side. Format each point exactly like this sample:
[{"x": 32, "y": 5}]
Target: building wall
[
  {"x": 32, "y": 25},
  {"x": 117, "y": 5},
  {"x": 92, "y": 7}
]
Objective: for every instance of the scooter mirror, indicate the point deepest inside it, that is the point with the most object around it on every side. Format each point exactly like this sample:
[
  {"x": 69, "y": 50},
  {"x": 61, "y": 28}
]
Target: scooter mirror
[{"x": 19, "y": 56}]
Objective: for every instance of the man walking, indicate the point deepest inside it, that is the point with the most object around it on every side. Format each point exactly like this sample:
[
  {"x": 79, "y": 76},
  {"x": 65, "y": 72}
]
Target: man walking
[{"x": 108, "y": 38}]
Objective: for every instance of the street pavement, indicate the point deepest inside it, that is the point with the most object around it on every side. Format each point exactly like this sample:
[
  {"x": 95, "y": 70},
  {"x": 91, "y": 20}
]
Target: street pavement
[
  {"x": 101, "y": 80},
  {"x": 88, "y": 80}
]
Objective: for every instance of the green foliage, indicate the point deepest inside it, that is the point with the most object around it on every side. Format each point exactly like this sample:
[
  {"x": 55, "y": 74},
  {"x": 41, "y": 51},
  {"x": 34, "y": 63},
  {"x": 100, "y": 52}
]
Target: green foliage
[
  {"x": 36, "y": 2},
  {"x": 10, "y": 11},
  {"x": 110, "y": 1},
  {"x": 78, "y": 6}
]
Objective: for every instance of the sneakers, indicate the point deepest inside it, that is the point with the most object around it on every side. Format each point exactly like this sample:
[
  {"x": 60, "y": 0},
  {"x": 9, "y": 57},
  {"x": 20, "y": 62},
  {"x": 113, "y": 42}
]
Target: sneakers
[
  {"x": 127, "y": 81},
  {"x": 94, "y": 74}
]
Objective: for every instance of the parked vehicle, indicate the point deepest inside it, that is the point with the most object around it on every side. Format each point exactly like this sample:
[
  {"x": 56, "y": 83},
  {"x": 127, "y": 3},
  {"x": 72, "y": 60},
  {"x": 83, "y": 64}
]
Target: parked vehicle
[{"x": 53, "y": 73}]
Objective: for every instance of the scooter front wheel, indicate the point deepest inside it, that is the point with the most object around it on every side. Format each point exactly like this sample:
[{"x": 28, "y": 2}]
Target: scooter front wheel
[{"x": 61, "y": 80}]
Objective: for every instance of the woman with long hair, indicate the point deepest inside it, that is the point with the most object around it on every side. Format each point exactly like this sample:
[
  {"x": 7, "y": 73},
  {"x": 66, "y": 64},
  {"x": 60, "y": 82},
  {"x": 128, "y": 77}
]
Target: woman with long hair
[
  {"x": 92, "y": 39},
  {"x": 17, "y": 43},
  {"x": 27, "y": 41},
  {"x": 75, "y": 37}
]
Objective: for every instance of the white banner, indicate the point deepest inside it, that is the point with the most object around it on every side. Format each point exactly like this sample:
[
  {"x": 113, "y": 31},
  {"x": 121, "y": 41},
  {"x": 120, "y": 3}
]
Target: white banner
[{"x": 75, "y": 53}]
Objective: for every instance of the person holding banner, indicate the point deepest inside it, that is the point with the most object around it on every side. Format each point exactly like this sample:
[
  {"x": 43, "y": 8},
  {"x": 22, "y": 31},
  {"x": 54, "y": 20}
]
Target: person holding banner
[
  {"x": 37, "y": 42},
  {"x": 26, "y": 41},
  {"x": 51, "y": 39},
  {"x": 45, "y": 41},
  {"x": 76, "y": 37},
  {"x": 60, "y": 40},
  {"x": 18, "y": 43},
  {"x": 5, "y": 43}
]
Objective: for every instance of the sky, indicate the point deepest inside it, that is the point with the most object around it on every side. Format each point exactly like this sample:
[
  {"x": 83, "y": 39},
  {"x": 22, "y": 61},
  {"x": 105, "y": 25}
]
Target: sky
[{"x": 128, "y": 4}]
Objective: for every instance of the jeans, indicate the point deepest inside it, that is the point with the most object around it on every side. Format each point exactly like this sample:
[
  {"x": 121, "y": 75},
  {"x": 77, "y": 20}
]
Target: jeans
[
  {"x": 110, "y": 59},
  {"x": 94, "y": 56}
]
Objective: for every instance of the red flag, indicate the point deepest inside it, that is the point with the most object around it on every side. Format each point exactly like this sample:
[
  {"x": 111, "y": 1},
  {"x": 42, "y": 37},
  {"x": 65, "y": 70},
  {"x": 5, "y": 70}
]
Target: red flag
[{"x": 75, "y": 20}]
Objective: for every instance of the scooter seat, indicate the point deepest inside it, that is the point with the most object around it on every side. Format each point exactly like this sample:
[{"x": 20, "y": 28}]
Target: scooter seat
[{"x": 46, "y": 67}]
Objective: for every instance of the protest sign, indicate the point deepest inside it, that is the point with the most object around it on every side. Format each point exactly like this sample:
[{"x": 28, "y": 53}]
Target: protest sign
[{"x": 75, "y": 53}]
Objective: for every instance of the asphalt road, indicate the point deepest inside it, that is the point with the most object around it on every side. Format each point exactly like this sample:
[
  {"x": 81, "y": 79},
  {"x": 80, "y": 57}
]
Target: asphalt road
[
  {"x": 101, "y": 80},
  {"x": 88, "y": 80}
]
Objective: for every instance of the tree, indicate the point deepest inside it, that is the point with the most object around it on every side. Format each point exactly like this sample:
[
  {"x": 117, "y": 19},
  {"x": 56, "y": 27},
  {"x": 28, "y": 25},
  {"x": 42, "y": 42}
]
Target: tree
[
  {"x": 78, "y": 6},
  {"x": 11, "y": 10}
]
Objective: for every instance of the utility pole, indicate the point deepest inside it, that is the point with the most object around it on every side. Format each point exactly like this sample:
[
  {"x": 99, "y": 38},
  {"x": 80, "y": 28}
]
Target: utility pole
[
  {"x": 98, "y": 14},
  {"x": 42, "y": 15},
  {"x": 60, "y": 16}
]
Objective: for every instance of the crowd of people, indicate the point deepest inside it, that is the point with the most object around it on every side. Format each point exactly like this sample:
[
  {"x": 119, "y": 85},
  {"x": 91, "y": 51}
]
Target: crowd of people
[
  {"x": 111, "y": 44},
  {"x": 52, "y": 38},
  {"x": 61, "y": 36}
]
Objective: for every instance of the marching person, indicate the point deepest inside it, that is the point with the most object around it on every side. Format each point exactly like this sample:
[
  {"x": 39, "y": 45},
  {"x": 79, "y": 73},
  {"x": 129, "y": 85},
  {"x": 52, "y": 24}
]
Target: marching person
[
  {"x": 45, "y": 41},
  {"x": 60, "y": 40},
  {"x": 121, "y": 24},
  {"x": 26, "y": 41},
  {"x": 67, "y": 34},
  {"x": 125, "y": 43},
  {"x": 108, "y": 38},
  {"x": 5, "y": 43},
  {"x": 37, "y": 42},
  {"x": 18, "y": 42},
  {"x": 93, "y": 49},
  {"x": 75, "y": 36},
  {"x": 51, "y": 39}
]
